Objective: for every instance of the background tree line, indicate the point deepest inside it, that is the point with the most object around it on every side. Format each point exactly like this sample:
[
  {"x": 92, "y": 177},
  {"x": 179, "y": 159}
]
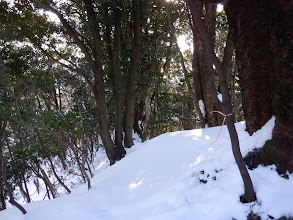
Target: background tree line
[{"x": 108, "y": 69}]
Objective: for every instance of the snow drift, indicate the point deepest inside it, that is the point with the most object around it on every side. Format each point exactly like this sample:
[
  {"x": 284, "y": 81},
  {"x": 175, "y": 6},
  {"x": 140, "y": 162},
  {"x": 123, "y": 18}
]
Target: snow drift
[{"x": 178, "y": 176}]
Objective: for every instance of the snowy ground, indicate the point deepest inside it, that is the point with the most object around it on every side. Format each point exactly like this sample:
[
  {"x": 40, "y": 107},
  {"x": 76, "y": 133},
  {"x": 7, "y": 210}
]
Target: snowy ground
[{"x": 174, "y": 176}]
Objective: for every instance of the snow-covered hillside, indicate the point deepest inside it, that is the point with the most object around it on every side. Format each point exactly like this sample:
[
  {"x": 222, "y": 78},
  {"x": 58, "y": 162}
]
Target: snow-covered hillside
[{"x": 178, "y": 176}]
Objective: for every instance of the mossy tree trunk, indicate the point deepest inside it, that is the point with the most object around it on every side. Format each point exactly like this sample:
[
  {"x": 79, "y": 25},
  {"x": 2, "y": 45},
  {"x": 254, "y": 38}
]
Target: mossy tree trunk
[
  {"x": 279, "y": 16},
  {"x": 264, "y": 47},
  {"x": 246, "y": 19}
]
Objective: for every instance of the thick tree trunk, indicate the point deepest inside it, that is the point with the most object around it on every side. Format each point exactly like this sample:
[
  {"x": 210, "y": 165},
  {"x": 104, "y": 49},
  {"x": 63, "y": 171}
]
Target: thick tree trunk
[
  {"x": 117, "y": 77},
  {"x": 263, "y": 40},
  {"x": 249, "y": 194},
  {"x": 113, "y": 153},
  {"x": 203, "y": 72},
  {"x": 133, "y": 70},
  {"x": 197, "y": 84},
  {"x": 281, "y": 41},
  {"x": 247, "y": 21},
  {"x": 280, "y": 24}
]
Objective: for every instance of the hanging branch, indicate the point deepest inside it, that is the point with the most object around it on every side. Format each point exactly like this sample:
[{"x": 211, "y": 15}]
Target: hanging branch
[{"x": 70, "y": 31}]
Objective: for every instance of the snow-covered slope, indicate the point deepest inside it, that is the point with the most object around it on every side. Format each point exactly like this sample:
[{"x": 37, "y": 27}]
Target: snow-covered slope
[{"x": 174, "y": 176}]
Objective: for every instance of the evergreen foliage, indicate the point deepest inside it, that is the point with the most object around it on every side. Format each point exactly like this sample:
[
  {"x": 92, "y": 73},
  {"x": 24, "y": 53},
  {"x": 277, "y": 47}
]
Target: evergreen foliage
[{"x": 59, "y": 62}]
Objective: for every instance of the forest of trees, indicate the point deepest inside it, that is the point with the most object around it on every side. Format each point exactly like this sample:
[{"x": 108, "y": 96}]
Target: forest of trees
[{"x": 78, "y": 75}]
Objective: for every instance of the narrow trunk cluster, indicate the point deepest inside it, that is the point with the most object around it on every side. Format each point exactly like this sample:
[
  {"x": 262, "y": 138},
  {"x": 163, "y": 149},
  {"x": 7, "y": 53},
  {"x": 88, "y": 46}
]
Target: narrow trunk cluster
[
  {"x": 203, "y": 71},
  {"x": 133, "y": 71}
]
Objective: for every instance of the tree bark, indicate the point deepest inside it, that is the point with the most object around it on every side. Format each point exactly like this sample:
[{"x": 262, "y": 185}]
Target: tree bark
[
  {"x": 113, "y": 153},
  {"x": 118, "y": 80},
  {"x": 133, "y": 71},
  {"x": 249, "y": 194},
  {"x": 247, "y": 21},
  {"x": 264, "y": 50},
  {"x": 147, "y": 104},
  {"x": 2, "y": 197},
  {"x": 203, "y": 71},
  {"x": 48, "y": 182},
  {"x": 83, "y": 159},
  {"x": 114, "y": 49},
  {"x": 281, "y": 46},
  {"x": 228, "y": 55},
  {"x": 2, "y": 137}
]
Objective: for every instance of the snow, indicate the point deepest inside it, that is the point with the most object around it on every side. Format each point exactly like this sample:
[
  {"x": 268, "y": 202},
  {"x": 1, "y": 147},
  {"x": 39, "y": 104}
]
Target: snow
[
  {"x": 202, "y": 107},
  {"x": 78, "y": 31},
  {"x": 219, "y": 95},
  {"x": 54, "y": 7},
  {"x": 174, "y": 176}
]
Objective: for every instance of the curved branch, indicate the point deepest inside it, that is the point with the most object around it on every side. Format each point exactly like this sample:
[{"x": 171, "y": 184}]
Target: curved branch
[
  {"x": 73, "y": 33},
  {"x": 73, "y": 66},
  {"x": 94, "y": 27}
]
